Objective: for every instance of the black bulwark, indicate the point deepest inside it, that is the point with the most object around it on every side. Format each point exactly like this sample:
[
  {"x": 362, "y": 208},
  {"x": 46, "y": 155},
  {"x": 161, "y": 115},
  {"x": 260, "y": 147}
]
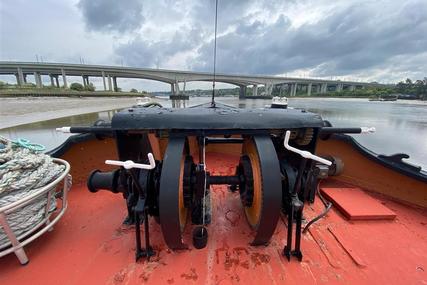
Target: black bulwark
[{"x": 222, "y": 117}]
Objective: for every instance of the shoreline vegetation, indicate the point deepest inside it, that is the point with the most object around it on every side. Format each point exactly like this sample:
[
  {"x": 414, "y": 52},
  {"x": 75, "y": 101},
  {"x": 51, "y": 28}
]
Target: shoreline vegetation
[{"x": 410, "y": 90}]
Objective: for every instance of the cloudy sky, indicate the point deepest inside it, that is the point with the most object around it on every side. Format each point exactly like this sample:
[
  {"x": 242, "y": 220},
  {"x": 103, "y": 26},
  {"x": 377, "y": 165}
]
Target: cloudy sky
[{"x": 383, "y": 41}]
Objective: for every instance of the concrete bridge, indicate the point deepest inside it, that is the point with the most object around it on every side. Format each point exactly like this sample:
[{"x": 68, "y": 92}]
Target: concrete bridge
[{"x": 109, "y": 75}]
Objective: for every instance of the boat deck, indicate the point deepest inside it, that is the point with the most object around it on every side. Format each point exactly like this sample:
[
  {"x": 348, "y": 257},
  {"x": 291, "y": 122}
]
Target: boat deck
[{"x": 90, "y": 246}]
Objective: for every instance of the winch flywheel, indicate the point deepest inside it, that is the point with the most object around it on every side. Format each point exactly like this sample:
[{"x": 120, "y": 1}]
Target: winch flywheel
[
  {"x": 172, "y": 210},
  {"x": 261, "y": 197}
]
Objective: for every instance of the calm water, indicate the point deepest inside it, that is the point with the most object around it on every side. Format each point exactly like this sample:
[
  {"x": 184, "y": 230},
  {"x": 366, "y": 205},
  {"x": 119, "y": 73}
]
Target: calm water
[{"x": 401, "y": 126}]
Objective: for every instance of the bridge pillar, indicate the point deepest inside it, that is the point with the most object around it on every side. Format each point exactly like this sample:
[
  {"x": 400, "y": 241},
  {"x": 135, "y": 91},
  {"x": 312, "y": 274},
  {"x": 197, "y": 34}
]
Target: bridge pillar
[
  {"x": 52, "y": 83},
  {"x": 309, "y": 87},
  {"x": 176, "y": 88},
  {"x": 20, "y": 78},
  {"x": 324, "y": 88},
  {"x": 268, "y": 89},
  {"x": 110, "y": 84},
  {"x": 64, "y": 78},
  {"x": 294, "y": 89},
  {"x": 281, "y": 90},
  {"x": 57, "y": 81},
  {"x": 315, "y": 89},
  {"x": 103, "y": 80},
  {"x": 242, "y": 92},
  {"x": 84, "y": 80},
  {"x": 351, "y": 88},
  {"x": 339, "y": 87},
  {"x": 116, "y": 89},
  {"x": 172, "y": 89},
  {"x": 255, "y": 90},
  {"x": 38, "y": 79}
]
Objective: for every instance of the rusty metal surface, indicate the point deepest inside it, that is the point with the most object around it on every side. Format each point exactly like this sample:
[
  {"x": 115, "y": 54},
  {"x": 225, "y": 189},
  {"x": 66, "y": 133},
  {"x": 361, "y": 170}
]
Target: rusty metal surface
[{"x": 90, "y": 246}]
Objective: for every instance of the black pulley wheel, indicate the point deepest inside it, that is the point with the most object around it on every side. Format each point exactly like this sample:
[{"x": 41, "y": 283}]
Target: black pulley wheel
[
  {"x": 172, "y": 210},
  {"x": 263, "y": 212}
]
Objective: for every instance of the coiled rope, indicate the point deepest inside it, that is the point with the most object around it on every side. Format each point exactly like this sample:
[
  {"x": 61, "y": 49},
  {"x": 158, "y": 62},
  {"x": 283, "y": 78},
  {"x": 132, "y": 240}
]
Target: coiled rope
[{"x": 23, "y": 170}]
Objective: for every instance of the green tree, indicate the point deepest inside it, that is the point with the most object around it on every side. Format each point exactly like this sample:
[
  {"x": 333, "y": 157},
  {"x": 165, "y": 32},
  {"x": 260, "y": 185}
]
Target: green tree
[
  {"x": 89, "y": 87},
  {"x": 76, "y": 86},
  {"x": 133, "y": 90}
]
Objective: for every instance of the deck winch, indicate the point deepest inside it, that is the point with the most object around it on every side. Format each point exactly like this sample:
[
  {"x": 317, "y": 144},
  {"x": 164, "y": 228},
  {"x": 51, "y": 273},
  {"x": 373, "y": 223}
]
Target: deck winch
[{"x": 164, "y": 174}]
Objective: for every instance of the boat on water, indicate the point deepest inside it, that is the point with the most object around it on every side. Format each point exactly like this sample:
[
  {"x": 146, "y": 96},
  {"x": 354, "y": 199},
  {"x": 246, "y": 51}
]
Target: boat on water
[
  {"x": 279, "y": 102},
  {"x": 384, "y": 98},
  {"x": 219, "y": 195}
]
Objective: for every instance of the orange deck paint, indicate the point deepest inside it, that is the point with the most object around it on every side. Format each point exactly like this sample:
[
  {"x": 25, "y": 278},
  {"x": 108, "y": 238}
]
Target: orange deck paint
[
  {"x": 355, "y": 204},
  {"x": 91, "y": 246}
]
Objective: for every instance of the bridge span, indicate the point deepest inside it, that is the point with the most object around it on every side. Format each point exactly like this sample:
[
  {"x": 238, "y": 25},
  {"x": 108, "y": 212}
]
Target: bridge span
[{"x": 109, "y": 75}]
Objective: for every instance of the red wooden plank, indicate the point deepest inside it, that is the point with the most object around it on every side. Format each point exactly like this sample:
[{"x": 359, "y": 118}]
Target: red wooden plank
[{"x": 355, "y": 204}]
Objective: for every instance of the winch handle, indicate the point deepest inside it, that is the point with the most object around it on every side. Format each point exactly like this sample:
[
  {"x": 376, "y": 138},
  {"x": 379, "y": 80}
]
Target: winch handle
[
  {"x": 303, "y": 153},
  {"x": 129, "y": 164}
]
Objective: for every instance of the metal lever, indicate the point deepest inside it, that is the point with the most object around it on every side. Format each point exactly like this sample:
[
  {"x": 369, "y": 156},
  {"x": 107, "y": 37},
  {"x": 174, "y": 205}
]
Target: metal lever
[
  {"x": 129, "y": 164},
  {"x": 296, "y": 205},
  {"x": 367, "y": 130},
  {"x": 64, "y": 130},
  {"x": 303, "y": 153}
]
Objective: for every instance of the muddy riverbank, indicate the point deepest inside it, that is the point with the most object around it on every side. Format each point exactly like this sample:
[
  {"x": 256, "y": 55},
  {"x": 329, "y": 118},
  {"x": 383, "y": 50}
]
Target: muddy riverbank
[{"x": 16, "y": 111}]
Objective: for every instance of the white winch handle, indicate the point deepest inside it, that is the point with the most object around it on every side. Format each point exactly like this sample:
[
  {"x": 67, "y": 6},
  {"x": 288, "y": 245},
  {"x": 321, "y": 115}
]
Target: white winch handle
[
  {"x": 64, "y": 129},
  {"x": 128, "y": 164},
  {"x": 367, "y": 130},
  {"x": 303, "y": 153}
]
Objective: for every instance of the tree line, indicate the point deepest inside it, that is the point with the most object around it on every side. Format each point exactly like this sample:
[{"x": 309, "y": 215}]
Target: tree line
[{"x": 417, "y": 87}]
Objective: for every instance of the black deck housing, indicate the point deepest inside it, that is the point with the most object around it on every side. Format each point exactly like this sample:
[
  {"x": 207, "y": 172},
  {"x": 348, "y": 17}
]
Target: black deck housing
[{"x": 206, "y": 118}]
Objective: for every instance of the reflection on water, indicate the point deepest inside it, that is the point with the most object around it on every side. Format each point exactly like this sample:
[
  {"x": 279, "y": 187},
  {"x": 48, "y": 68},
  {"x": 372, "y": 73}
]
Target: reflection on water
[
  {"x": 401, "y": 126},
  {"x": 179, "y": 103}
]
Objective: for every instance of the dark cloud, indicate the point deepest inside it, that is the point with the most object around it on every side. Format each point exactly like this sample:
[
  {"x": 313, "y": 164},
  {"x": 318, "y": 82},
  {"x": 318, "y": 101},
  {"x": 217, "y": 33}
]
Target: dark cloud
[
  {"x": 141, "y": 52},
  {"x": 255, "y": 38},
  {"x": 348, "y": 40},
  {"x": 112, "y": 15},
  {"x": 229, "y": 12}
]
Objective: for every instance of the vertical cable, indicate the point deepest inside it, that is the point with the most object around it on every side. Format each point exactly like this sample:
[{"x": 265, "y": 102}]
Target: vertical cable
[{"x": 214, "y": 63}]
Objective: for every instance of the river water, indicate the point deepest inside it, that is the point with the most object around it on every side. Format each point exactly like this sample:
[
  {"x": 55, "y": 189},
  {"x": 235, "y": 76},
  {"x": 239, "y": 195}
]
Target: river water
[{"x": 401, "y": 126}]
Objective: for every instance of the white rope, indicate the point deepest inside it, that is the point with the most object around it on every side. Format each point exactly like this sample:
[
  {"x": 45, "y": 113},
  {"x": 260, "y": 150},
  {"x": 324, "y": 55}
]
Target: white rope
[{"x": 22, "y": 171}]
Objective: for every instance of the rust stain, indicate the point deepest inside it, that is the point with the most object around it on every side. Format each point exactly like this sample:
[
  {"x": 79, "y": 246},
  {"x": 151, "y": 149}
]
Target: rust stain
[
  {"x": 238, "y": 250},
  {"x": 170, "y": 281},
  {"x": 260, "y": 258},
  {"x": 230, "y": 261},
  {"x": 224, "y": 247},
  {"x": 144, "y": 277},
  {"x": 190, "y": 276},
  {"x": 119, "y": 277},
  {"x": 245, "y": 264},
  {"x": 235, "y": 278},
  {"x": 233, "y": 258}
]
